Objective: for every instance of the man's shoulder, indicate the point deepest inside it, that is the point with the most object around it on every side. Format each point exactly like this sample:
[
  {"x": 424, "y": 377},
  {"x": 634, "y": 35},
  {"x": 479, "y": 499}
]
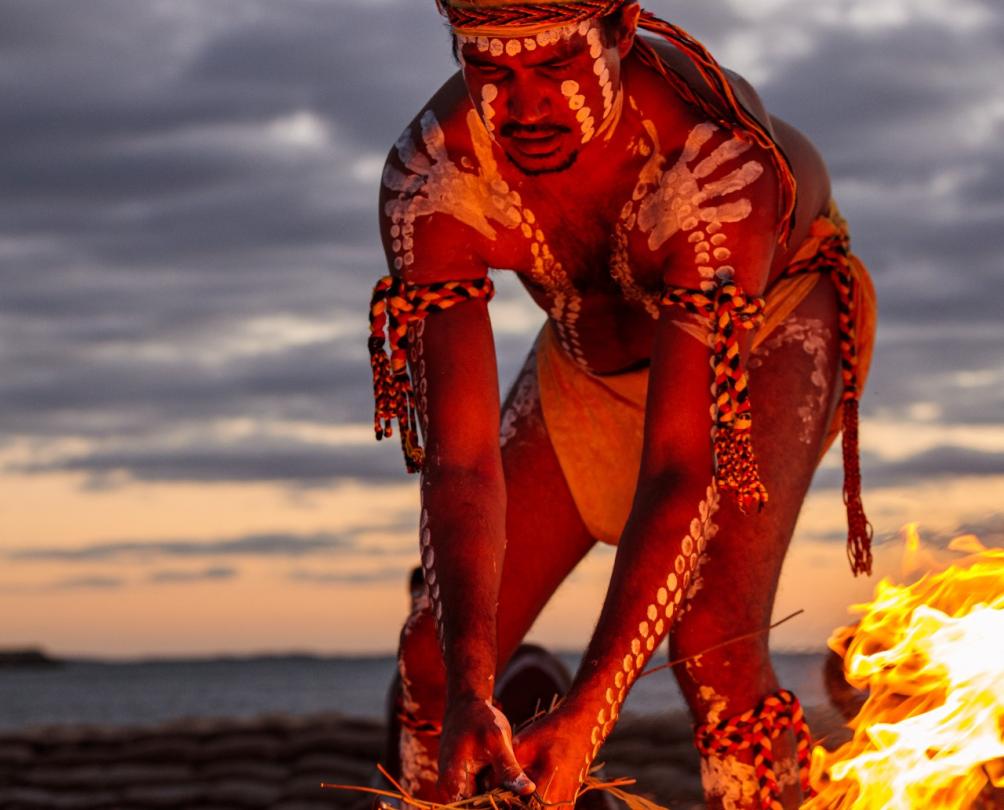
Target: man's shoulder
[
  {"x": 664, "y": 96},
  {"x": 444, "y": 115}
]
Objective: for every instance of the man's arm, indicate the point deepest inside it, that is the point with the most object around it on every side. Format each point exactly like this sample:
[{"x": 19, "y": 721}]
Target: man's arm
[
  {"x": 431, "y": 234},
  {"x": 672, "y": 517}
]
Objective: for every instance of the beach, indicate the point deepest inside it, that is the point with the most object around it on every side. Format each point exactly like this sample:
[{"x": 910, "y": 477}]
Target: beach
[{"x": 279, "y": 762}]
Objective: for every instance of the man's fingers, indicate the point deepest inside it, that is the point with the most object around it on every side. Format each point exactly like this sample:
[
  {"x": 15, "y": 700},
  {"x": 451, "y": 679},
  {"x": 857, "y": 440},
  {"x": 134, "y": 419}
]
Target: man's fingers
[{"x": 511, "y": 774}]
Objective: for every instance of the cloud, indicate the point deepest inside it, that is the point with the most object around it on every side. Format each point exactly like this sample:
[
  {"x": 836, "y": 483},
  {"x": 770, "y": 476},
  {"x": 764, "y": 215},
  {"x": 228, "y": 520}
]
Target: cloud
[
  {"x": 212, "y": 574},
  {"x": 296, "y": 463},
  {"x": 189, "y": 233},
  {"x": 253, "y": 545},
  {"x": 945, "y": 461},
  {"x": 88, "y": 583},
  {"x": 353, "y": 577}
]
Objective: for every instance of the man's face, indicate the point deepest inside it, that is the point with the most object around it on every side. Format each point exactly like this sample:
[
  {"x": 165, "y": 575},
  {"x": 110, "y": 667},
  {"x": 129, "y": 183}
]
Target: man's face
[{"x": 544, "y": 98}]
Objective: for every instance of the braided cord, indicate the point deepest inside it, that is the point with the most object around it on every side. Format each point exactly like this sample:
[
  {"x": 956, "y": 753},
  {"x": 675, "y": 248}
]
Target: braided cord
[
  {"x": 833, "y": 258},
  {"x": 394, "y": 307},
  {"x": 755, "y": 730},
  {"x": 730, "y": 311},
  {"x": 512, "y": 19}
]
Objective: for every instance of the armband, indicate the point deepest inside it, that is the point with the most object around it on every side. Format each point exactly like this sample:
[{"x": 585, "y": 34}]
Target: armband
[
  {"x": 394, "y": 308},
  {"x": 729, "y": 311}
]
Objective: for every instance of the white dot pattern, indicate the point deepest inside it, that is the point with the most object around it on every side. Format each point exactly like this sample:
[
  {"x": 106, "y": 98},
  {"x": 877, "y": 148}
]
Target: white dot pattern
[{"x": 650, "y": 631}]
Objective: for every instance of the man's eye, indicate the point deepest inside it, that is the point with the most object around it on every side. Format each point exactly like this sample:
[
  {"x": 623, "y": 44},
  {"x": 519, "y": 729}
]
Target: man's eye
[
  {"x": 557, "y": 67},
  {"x": 489, "y": 70}
]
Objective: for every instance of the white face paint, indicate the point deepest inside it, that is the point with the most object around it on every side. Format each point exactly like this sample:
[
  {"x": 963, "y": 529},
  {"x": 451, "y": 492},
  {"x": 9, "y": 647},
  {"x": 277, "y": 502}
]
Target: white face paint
[
  {"x": 658, "y": 618},
  {"x": 489, "y": 93}
]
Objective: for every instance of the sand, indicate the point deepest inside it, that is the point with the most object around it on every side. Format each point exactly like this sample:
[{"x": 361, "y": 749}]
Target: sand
[{"x": 279, "y": 763}]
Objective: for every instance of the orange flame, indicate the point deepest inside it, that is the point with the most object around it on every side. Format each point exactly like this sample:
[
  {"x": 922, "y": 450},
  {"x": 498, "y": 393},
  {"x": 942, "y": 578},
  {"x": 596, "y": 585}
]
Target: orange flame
[{"x": 931, "y": 655}]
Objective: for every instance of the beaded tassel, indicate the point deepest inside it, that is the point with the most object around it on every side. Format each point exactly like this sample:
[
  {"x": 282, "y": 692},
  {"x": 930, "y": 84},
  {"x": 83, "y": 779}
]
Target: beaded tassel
[
  {"x": 755, "y": 729},
  {"x": 394, "y": 308},
  {"x": 730, "y": 310}
]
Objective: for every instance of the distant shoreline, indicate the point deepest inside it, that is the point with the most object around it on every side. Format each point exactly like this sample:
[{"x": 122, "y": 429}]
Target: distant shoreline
[{"x": 27, "y": 657}]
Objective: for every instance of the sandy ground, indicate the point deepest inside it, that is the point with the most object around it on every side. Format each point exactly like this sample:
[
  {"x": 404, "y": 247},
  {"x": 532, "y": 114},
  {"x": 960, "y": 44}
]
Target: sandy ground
[{"x": 279, "y": 763}]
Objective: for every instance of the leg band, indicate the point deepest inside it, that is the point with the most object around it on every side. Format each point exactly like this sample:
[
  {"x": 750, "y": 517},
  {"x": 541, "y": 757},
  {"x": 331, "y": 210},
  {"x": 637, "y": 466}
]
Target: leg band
[{"x": 755, "y": 729}]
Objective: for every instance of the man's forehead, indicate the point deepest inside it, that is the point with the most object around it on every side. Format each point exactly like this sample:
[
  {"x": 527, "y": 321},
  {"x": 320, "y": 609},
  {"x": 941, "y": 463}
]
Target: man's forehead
[{"x": 560, "y": 40}]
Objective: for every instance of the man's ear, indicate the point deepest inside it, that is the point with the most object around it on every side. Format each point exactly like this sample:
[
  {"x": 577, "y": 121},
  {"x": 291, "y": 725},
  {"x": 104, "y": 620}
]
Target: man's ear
[{"x": 630, "y": 29}]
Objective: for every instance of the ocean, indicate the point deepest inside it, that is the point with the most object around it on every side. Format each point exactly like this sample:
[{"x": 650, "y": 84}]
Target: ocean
[{"x": 155, "y": 691}]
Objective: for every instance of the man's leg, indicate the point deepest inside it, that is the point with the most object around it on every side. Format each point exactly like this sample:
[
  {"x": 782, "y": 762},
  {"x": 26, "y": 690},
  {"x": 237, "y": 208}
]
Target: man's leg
[
  {"x": 546, "y": 539},
  {"x": 793, "y": 387}
]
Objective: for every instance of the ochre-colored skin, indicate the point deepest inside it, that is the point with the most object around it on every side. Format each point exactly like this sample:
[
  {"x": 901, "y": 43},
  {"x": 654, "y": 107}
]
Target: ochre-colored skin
[{"x": 595, "y": 228}]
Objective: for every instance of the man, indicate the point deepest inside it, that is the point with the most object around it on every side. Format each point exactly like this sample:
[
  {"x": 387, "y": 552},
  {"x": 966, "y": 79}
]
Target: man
[{"x": 647, "y": 202}]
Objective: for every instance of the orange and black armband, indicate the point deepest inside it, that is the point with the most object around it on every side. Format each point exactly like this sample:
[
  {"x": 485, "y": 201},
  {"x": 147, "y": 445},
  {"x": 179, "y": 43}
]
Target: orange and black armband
[
  {"x": 729, "y": 311},
  {"x": 394, "y": 308},
  {"x": 757, "y": 730},
  {"x": 834, "y": 259}
]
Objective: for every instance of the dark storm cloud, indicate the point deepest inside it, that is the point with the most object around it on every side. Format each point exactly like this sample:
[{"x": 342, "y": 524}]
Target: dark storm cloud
[
  {"x": 939, "y": 463},
  {"x": 177, "y": 172},
  {"x": 257, "y": 459}
]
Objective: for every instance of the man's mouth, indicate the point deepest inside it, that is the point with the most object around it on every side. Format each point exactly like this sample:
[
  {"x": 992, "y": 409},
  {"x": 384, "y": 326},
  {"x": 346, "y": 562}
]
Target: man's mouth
[{"x": 535, "y": 141}]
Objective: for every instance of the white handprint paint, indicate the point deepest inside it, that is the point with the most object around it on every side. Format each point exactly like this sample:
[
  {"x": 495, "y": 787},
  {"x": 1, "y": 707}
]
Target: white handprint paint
[
  {"x": 431, "y": 183},
  {"x": 667, "y": 202},
  {"x": 679, "y": 202}
]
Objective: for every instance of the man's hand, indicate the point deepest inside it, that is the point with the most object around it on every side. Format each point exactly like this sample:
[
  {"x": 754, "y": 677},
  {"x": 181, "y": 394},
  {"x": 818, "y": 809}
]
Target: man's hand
[
  {"x": 552, "y": 750},
  {"x": 476, "y": 751}
]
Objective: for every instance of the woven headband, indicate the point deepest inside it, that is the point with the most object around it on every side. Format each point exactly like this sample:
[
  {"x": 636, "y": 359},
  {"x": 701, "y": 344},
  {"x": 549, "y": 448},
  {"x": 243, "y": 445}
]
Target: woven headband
[
  {"x": 501, "y": 19},
  {"x": 524, "y": 19}
]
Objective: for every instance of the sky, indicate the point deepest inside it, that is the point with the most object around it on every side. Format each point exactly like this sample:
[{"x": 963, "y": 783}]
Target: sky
[{"x": 187, "y": 243}]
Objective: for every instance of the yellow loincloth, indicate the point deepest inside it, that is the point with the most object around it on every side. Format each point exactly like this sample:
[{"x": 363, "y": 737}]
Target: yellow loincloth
[{"x": 596, "y": 423}]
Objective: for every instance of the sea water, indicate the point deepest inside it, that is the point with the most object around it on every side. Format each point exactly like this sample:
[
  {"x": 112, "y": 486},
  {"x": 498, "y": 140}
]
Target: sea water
[{"x": 149, "y": 692}]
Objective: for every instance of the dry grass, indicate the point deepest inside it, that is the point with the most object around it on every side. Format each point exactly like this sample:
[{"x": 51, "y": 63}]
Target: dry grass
[{"x": 501, "y": 799}]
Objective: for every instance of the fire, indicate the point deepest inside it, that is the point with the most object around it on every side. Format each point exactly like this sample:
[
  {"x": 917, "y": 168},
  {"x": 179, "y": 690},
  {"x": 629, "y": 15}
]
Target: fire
[{"x": 931, "y": 655}]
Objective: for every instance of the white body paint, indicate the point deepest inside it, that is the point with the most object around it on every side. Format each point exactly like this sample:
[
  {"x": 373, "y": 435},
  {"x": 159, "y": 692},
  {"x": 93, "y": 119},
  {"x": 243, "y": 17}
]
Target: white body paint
[
  {"x": 814, "y": 337},
  {"x": 679, "y": 202},
  {"x": 418, "y": 763},
  {"x": 659, "y": 616},
  {"x": 428, "y": 557},
  {"x": 730, "y": 781},
  {"x": 433, "y": 184},
  {"x": 666, "y": 202},
  {"x": 524, "y": 403}
]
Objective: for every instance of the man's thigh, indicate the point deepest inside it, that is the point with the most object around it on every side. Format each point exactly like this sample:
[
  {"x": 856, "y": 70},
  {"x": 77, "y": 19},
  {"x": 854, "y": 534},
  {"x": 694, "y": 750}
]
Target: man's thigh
[
  {"x": 793, "y": 386},
  {"x": 545, "y": 535}
]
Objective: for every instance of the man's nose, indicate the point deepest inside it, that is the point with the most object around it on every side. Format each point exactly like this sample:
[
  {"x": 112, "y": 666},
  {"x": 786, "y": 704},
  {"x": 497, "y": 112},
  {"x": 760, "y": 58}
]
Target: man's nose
[{"x": 528, "y": 101}]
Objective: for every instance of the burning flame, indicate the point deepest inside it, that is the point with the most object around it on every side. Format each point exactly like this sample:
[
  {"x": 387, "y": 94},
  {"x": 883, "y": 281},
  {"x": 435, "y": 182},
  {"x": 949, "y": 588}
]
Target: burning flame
[{"x": 931, "y": 655}]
